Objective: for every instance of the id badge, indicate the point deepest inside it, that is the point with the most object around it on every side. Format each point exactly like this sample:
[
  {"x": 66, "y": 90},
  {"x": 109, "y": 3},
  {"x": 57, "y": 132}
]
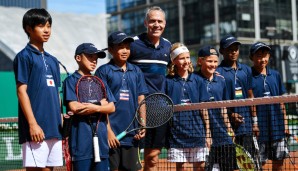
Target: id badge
[
  {"x": 211, "y": 99},
  {"x": 50, "y": 83},
  {"x": 124, "y": 95},
  {"x": 266, "y": 94},
  {"x": 238, "y": 93},
  {"x": 185, "y": 101}
]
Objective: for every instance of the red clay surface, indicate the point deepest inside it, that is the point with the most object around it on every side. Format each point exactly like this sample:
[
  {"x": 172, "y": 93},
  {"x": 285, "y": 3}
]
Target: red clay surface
[{"x": 167, "y": 166}]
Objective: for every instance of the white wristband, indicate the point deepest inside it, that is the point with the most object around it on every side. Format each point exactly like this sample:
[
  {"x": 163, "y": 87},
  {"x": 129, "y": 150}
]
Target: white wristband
[{"x": 255, "y": 120}]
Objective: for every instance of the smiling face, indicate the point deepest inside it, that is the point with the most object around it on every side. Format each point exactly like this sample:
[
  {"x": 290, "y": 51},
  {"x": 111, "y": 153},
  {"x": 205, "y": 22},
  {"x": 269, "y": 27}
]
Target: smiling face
[
  {"x": 40, "y": 33},
  {"x": 182, "y": 62},
  {"x": 120, "y": 52},
  {"x": 87, "y": 62},
  {"x": 260, "y": 59},
  {"x": 208, "y": 64},
  {"x": 155, "y": 23},
  {"x": 231, "y": 53}
]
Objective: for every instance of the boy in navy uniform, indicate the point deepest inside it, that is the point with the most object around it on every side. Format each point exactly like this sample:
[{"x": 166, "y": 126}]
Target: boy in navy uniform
[
  {"x": 189, "y": 131},
  {"x": 222, "y": 150},
  {"x": 127, "y": 83},
  {"x": 38, "y": 78},
  {"x": 151, "y": 53},
  {"x": 80, "y": 141},
  {"x": 238, "y": 79},
  {"x": 272, "y": 119}
]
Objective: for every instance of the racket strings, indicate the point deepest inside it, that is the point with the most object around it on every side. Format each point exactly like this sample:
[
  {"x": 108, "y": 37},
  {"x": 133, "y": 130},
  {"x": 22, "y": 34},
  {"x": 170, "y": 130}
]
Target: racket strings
[
  {"x": 90, "y": 90},
  {"x": 157, "y": 110}
]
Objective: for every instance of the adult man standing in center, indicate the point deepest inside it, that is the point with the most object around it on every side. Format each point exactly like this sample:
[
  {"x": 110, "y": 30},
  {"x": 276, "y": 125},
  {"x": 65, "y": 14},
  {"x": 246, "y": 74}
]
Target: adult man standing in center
[{"x": 151, "y": 53}]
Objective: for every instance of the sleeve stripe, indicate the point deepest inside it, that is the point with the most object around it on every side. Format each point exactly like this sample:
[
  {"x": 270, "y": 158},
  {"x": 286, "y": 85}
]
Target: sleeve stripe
[{"x": 150, "y": 61}]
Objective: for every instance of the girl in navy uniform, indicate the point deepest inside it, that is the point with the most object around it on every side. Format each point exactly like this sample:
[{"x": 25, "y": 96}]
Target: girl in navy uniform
[
  {"x": 80, "y": 141},
  {"x": 189, "y": 136},
  {"x": 222, "y": 150},
  {"x": 272, "y": 119}
]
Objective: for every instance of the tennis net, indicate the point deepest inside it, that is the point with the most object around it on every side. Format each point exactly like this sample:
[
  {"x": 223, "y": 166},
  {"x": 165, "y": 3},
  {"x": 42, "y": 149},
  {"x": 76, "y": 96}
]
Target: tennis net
[
  {"x": 185, "y": 128},
  {"x": 272, "y": 124}
]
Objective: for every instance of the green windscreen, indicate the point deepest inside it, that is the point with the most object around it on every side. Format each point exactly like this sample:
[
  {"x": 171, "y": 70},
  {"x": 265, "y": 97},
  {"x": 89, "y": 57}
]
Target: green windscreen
[{"x": 8, "y": 100}]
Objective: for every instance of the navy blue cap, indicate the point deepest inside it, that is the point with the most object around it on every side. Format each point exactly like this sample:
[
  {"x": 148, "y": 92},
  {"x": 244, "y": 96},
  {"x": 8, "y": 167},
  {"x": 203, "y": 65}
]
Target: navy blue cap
[
  {"x": 89, "y": 48},
  {"x": 118, "y": 37},
  {"x": 206, "y": 51},
  {"x": 228, "y": 41},
  {"x": 258, "y": 45}
]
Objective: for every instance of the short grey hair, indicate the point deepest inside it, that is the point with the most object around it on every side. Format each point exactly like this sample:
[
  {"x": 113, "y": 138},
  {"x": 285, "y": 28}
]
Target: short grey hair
[{"x": 154, "y": 8}]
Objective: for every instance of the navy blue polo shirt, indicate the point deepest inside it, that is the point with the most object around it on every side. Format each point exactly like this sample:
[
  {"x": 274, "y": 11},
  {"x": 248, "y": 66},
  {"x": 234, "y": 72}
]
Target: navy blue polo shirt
[
  {"x": 152, "y": 60},
  {"x": 241, "y": 77},
  {"x": 187, "y": 127},
  {"x": 270, "y": 117},
  {"x": 81, "y": 147},
  {"x": 216, "y": 91},
  {"x": 127, "y": 100},
  {"x": 40, "y": 72}
]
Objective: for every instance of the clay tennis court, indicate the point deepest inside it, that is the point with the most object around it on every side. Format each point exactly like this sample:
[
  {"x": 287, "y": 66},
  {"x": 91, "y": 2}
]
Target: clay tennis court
[{"x": 167, "y": 166}]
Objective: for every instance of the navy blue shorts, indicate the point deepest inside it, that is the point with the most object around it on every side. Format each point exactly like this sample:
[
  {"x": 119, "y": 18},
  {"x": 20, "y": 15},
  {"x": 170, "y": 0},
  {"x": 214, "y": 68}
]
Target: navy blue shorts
[
  {"x": 90, "y": 165},
  {"x": 125, "y": 158},
  {"x": 274, "y": 150},
  {"x": 224, "y": 156},
  {"x": 156, "y": 137}
]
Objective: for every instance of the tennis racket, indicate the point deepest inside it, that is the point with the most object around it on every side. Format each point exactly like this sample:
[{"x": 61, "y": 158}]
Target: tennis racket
[
  {"x": 245, "y": 161},
  {"x": 90, "y": 89},
  {"x": 66, "y": 115},
  {"x": 63, "y": 75},
  {"x": 154, "y": 111},
  {"x": 66, "y": 127},
  {"x": 288, "y": 142},
  {"x": 257, "y": 154}
]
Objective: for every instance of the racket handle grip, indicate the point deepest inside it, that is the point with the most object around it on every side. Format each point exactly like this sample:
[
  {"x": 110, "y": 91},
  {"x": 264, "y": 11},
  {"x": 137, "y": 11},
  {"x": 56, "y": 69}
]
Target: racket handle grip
[
  {"x": 96, "y": 149},
  {"x": 67, "y": 121},
  {"x": 121, "y": 135},
  {"x": 255, "y": 142}
]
